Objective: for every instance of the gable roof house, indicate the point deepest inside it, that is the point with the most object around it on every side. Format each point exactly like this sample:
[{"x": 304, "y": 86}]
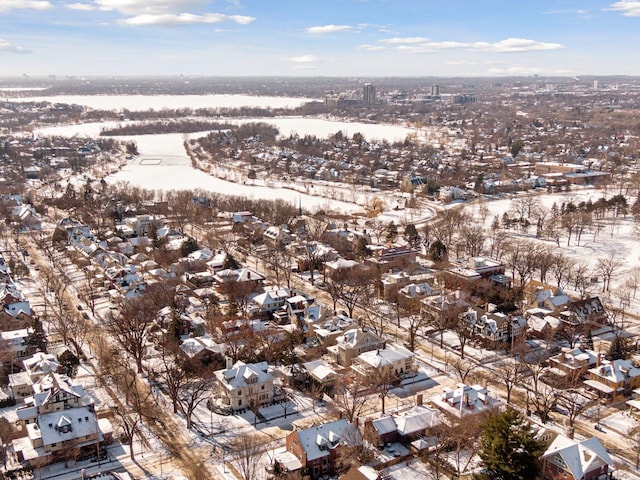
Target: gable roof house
[
  {"x": 465, "y": 400},
  {"x": 59, "y": 416},
  {"x": 241, "y": 385},
  {"x": 541, "y": 295},
  {"x": 391, "y": 360},
  {"x": 316, "y": 448},
  {"x": 613, "y": 380},
  {"x": 353, "y": 343},
  {"x": 572, "y": 460},
  {"x": 495, "y": 327},
  {"x": 573, "y": 364},
  {"x": 402, "y": 427},
  {"x": 588, "y": 311}
]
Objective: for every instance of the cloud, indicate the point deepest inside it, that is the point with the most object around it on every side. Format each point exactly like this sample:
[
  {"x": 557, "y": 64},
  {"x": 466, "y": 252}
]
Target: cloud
[
  {"x": 631, "y": 8},
  {"x": 150, "y": 7},
  {"x": 405, "y": 40},
  {"x": 184, "y": 19},
  {"x": 6, "y": 5},
  {"x": 421, "y": 45},
  {"x": 329, "y": 29},
  {"x": 80, "y": 6},
  {"x": 304, "y": 59},
  {"x": 580, "y": 12},
  {"x": 10, "y": 48},
  {"x": 372, "y": 48},
  {"x": 521, "y": 70}
]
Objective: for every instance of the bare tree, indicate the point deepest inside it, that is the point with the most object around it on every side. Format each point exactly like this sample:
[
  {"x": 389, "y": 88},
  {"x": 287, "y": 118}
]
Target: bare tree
[
  {"x": 134, "y": 405},
  {"x": 246, "y": 452},
  {"x": 633, "y": 280},
  {"x": 130, "y": 327},
  {"x": 192, "y": 393},
  {"x": 573, "y": 403},
  {"x": 349, "y": 396},
  {"x": 560, "y": 270},
  {"x": 608, "y": 268},
  {"x": 463, "y": 369},
  {"x": 382, "y": 382},
  {"x": 510, "y": 374}
]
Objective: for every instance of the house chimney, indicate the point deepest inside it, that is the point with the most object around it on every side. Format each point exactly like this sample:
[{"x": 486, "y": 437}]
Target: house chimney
[
  {"x": 598, "y": 359},
  {"x": 419, "y": 399},
  {"x": 228, "y": 363}
]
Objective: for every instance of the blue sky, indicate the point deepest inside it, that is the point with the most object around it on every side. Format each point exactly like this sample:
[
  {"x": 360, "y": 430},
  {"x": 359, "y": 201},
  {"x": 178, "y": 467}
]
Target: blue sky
[{"x": 320, "y": 37}]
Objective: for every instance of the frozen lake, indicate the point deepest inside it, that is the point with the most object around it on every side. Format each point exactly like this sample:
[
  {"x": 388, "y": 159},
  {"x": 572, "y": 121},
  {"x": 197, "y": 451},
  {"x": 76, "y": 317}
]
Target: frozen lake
[{"x": 161, "y": 102}]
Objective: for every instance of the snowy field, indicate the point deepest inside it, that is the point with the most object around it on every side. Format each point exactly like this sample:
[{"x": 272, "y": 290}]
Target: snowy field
[{"x": 619, "y": 237}]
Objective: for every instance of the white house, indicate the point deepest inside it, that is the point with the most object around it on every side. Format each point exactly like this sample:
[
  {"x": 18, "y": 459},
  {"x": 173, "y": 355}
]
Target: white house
[{"x": 242, "y": 385}]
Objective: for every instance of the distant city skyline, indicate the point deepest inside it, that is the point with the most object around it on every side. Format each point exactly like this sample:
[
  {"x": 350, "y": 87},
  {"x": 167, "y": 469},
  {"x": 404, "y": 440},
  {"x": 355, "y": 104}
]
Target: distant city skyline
[{"x": 376, "y": 38}]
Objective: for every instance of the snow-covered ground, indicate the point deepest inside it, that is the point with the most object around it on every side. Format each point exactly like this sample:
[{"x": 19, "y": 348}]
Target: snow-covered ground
[
  {"x": 614, "y": 236},
  {"x": 162, "y": 102}
]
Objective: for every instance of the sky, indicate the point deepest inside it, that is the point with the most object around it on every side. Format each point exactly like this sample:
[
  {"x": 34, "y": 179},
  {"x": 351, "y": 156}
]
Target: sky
[{"x": 375, "y": 38}]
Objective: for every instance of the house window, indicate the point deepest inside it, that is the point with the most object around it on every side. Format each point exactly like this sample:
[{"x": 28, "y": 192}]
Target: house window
[
  {"x": 239, "y": 402},
  {"x": 262, "y": 387}
]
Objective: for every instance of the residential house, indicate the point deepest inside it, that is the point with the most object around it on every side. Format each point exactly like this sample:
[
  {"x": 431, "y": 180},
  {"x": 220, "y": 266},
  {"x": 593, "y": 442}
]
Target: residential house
[
  {"x": 317, "y": 448},
  {"x": 393, "y": 282},
  {"x": 277, "y": 236},
  {"x": 319, "y": 372},
  {"x": 495, "y": 327},
  {"x": 573, "y": 460},
  {"x": 271, "y": 300},
  {"x": 588, "y": 311},
  {"x": 353, "y": 343},
  {"x": 59, "y": 417},
  {"x": 339, "y": 266},
  {"x": 15, "y": 342},
  {"x": 241, "y": 386},
  {"x": 543, "y": 296},
  {"x": 392, "y": 256},
  {"x": 419, "y": 291},
  {"x": 447, "y": 304},
  {"x": 403, "y": 427},
  {"x": 570, "y": 365},
  {"x": 35, "y": 367},
  {"x": 247, "y": 278},
  {"x": 465, "y": 400},
  {"x": 328, "y": 330},
  {"x": 391, "y": 361},
  {"x": 613, "y": 380}
]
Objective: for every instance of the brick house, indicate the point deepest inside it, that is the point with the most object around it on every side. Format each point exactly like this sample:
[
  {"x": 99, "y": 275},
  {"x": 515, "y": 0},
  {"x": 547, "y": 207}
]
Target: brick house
[
  {"x": 568, "y": 459},
  {"x": 317, "y": 448}
]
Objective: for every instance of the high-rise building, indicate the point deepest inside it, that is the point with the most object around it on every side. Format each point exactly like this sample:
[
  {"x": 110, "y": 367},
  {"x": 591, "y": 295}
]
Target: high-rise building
[
  {"x": 368, "y": 94},
  {"x": 435, "y": 90}
]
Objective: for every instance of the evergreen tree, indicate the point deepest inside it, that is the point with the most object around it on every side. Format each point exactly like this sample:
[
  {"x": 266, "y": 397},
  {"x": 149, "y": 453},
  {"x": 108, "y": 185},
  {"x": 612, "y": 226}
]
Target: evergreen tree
[
  {"x": 392, "y": 231},
  {"x": 412, "y": 236},
  {"x": 437, "y": 251},
  {"x": 188, "y": 246},
  {"x": 69, "y": 363},
  {"x": 37, "y": 338},
  {"x": 509, "y": 449},
  {"x": 619, "y": 349},
  {"x": 362, "y": 249},
  {"x": 230, "y": 262}
]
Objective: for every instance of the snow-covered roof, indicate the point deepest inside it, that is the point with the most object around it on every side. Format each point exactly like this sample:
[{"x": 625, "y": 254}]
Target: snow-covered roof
[
  {"x": 317, "y": 441},
  {"x": 385, "y": 357},
  {"x": 242, "y": 373},
  {"x": 616, "y": 371},
  {"x": 580, "y": 458}
]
